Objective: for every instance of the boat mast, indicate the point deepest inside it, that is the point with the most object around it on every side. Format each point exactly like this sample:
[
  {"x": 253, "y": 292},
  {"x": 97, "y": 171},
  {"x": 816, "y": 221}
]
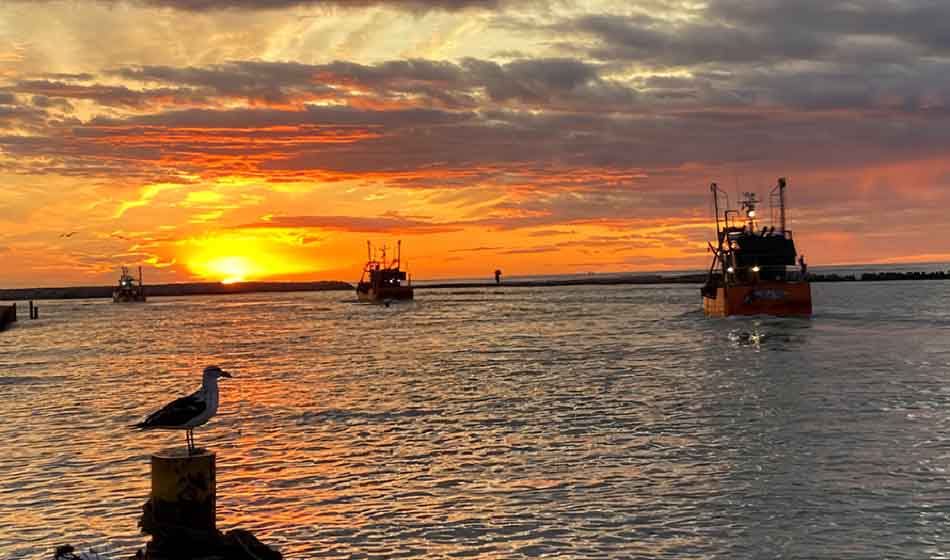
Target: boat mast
[
  {"x": 781, "y": 203},
  {"x": 712, "y": 188},
  {"x": 720, "y": 235}
]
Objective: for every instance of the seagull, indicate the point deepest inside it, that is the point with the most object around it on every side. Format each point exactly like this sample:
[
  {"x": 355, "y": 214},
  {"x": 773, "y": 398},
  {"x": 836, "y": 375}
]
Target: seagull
[{"x": 188, "y": 412}]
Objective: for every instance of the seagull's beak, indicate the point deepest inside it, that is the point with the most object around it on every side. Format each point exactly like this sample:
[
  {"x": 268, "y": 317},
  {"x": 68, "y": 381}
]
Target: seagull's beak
[{"x": 225, "y": 374}]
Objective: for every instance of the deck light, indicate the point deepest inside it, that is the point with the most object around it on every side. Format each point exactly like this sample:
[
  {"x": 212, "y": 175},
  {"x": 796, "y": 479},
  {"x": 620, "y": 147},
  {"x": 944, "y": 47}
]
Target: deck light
[
  {"x": 751, "y": 213},
  {"x": 730, "y": 270},
  {"x": 755, "y": 268}
]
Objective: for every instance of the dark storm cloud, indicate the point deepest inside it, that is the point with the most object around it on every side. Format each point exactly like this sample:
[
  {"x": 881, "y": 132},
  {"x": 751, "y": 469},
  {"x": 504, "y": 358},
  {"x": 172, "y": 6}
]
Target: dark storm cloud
[
  {"x": 665, "y": 106},
  {"x": 558, "y": 84},
  {"x": 807, "y": 54},
  {"x": 388, "y": 73},
  {"x": 207, "y": 5},
  {"x": 658, "y": 43},
  {"x": 476, "y": 249},
  {"x": 573, "y": 153},
  {"x": 71, "y": 77},
  {"x": 768, "y": 31},
  {"x": 19, "y": 115},
  {"x": 531, "y": 250},
  {"x": 551, "y": 232},
  {"x": 242, "y": 76},
  {"x": 922, "y": 22},
  {"x": 564, "y": 81},
  {"x": 105, "y": 95},
  {"x": 530, "y": 79},
  {"x": 50, "y": 102},
  {"x": 310, "y": 116},
  {"x": 265, "y": 81},
  {"x": 256, "y": 5},
  {"x": 16, "y": 115}
]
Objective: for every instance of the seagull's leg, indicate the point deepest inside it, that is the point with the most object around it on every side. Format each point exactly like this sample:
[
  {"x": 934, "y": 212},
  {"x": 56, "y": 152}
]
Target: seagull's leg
[{"x": 188, "y": 439}]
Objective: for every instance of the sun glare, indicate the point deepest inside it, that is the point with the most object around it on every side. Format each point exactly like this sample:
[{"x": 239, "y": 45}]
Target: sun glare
[
  {"x": 232, "y": 269},
  {"x": 238, "y": 259}
]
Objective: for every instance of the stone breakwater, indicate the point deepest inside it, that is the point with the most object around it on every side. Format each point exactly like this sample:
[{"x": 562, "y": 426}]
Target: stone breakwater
[
  {"x": 215, "y": 288},
  {"x": 192, "y": 289},
  {"x": 683, "y": 279},
  {"x": 881, "y": 276}
]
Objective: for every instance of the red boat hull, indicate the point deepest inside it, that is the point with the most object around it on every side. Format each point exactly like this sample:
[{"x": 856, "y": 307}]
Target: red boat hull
[
  {"x": 781, "y": 299},
  {"x": 385, "y": 294}
]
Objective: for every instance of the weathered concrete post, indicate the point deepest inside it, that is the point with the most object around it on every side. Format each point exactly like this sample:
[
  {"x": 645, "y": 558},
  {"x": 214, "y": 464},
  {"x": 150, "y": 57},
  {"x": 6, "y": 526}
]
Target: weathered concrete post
[
  {"x": 183, "y": 489},
  {"x": 7, "y": 315},
  {"x": 180, "y": 513}
]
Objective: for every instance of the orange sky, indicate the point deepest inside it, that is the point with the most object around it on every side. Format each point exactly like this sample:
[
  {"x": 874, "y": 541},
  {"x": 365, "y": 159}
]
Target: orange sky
[{"x": 223, "y": 140}]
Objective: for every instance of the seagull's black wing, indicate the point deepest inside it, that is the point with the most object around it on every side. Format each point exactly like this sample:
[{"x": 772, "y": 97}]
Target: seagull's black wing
[{"x": 175, "y": 413}]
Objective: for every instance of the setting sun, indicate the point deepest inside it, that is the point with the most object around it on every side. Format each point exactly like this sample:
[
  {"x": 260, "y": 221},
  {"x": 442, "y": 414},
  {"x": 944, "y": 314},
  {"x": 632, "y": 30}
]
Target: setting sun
[
  {"x": 238, "y": 258},
  {"x": 233, "y": 269}
]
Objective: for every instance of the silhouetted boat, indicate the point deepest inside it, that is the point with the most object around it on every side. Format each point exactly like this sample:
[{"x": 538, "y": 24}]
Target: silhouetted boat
[
  {"x": 129, "y": 290},
  {"x": 382, "y": 280},
  {"x": 749, "y": 273}
]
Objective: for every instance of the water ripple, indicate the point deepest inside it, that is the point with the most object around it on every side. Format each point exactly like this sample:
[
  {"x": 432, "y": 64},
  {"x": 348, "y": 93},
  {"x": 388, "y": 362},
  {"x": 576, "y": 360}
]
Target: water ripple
[{"x": 576, "y": 422}]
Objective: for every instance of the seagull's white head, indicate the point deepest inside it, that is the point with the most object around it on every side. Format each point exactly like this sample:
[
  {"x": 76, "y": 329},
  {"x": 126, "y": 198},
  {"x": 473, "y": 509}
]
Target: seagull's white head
[{"x": 213, "y": 373}]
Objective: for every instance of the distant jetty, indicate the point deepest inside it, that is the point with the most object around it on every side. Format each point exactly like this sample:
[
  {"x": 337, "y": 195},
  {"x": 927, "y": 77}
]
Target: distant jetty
[
  {"x": 215, "y": 288},
  {"x": 881, "y": 276},
  {"x": 655, "y": 279},
  {"x": 192, "y": 289},
  {"x": 611, "y": 280}
]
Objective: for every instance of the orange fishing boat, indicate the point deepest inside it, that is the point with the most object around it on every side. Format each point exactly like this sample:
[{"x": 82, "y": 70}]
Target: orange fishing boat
[
  {"x": 750, "y": 274},
  {"x": 382, "y": 280},
  {"x": 128, "y": 290}
]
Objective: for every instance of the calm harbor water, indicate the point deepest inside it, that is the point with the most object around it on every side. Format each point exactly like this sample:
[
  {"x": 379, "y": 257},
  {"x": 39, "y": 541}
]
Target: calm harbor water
[{"x": 577, "y": 422}]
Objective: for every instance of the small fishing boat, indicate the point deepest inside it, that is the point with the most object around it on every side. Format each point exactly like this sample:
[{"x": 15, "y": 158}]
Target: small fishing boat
[
  {"x": 382, "y": 280},
  {"x": 750, "y": 274},
  {"x": 129, "y": 290}
]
